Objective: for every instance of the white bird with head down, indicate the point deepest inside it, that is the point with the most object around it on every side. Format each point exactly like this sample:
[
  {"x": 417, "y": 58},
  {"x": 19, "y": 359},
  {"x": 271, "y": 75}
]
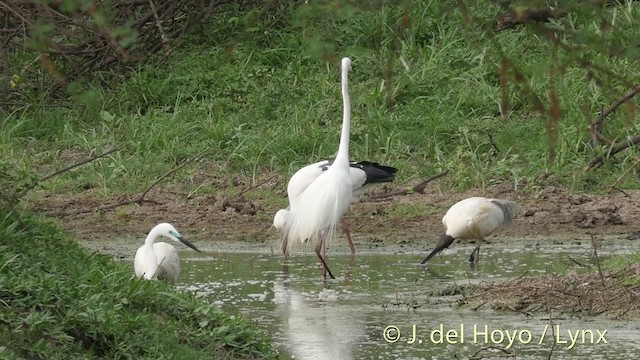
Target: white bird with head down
[
  {"x": 363, "y": 174},
  {"x": 474, "y": 218},
  {"x": 322, "y": 204},
  {"x": 159, "y": 260}
]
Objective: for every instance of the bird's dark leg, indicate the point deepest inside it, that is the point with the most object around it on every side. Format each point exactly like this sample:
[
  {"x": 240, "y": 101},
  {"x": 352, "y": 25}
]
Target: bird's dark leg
[
  {"x": 475, "y": 254},
  {"x": 325, "y": 268},
  {"x": 347, "y": 233}
]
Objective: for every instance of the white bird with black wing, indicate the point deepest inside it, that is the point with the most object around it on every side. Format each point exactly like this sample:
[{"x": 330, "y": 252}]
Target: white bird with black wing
[
  {"x": 474, "y": 218},
  {"x": 159, "y": 260},
  {"x": 319, "y": 208},
  {"x": 363, "y": 174}
]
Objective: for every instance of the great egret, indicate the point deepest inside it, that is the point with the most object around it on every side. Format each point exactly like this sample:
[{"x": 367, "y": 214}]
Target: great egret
[
  {"x": 363, "y": 174},
  {"x": 319, "y": 208},
  {"x": 159, "y": 260},
  {"x": 474, "y": 218}
]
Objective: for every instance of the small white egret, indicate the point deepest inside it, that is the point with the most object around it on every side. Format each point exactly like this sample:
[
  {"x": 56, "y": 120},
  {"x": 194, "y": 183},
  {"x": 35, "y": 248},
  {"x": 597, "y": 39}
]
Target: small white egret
[
  {"x": 363, "y": 174},
  {"x": 319, "y": 208},
  {"x": 159, "y": 260},
  {"x": 474, "y": 218}
]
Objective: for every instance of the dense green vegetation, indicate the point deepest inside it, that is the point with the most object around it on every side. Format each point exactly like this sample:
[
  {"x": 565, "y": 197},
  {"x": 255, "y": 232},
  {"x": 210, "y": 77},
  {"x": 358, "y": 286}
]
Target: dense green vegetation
[
  {"x": 58, "y": 302},
  {"x": 262, "y": 94}
]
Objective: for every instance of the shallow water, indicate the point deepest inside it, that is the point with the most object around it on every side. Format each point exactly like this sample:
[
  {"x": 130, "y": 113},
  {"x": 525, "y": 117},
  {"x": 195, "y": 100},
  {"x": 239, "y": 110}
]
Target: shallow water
[{"x": 346, "y": 318}]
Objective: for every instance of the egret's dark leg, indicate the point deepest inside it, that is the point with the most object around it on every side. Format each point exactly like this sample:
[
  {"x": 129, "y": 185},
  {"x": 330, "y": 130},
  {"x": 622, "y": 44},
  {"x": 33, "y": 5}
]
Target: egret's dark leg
[
  {"x": 347, "y": 233},
  {"x": 325, "y": 268}
]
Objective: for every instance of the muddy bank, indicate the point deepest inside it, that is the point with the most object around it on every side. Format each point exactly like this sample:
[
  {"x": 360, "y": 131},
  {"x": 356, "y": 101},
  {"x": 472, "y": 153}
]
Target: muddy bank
[
  {"x": 243, "y": 224},
  {"x": 552, "y": 218}
]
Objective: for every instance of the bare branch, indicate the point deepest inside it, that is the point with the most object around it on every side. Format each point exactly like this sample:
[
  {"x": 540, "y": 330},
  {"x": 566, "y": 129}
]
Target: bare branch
[
  {"x": 61, "y": 171},
  {"x": 254, "y": 186},
  {"x": 144, "y": 193},
  {"x": 596, "y": 126},
  {"x": 418, "y": 188},
  {"x": 139, "y": 200},
  {"x": 616, "y": 148}
]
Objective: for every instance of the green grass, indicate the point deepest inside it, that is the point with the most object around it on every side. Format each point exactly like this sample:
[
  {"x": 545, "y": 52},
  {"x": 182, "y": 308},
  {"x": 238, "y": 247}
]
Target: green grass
[
  {"x": 264, "y": 96},
  {"x": 59, "y": 302}
]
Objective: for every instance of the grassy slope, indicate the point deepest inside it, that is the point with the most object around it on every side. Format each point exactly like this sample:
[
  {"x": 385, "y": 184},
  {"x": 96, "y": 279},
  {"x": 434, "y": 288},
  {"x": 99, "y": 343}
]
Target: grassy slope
[
  {"x": 58, "y": 302},
  {"x": 261, "y": 99}
]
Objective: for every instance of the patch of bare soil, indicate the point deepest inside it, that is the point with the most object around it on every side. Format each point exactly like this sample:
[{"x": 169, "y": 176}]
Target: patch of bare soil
[
  {"x": 551, "y": 212},
  {"x": 211, "y": 220}
]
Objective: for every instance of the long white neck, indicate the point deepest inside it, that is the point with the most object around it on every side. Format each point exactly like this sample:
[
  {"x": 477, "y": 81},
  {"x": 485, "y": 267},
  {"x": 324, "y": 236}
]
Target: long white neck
[
  {"x": 343, "y": 149},
  {"x": 151, "y": 262},
  {"x": 154, "y": 234}
]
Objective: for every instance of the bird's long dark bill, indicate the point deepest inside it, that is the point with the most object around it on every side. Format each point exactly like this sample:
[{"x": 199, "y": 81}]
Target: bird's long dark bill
[
  {"x": 188, "y": 243},
  {"x": 443, "y": 243}
]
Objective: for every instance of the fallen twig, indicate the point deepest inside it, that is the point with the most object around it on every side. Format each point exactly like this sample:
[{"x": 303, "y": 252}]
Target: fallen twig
[
  {"x": 139, "y": 200},
  {"x": 418, "y": 188},
  {"x": 76, "y": 165},
  {"x": 244, "y": 191},
  {"x": 59, "y": 172}
]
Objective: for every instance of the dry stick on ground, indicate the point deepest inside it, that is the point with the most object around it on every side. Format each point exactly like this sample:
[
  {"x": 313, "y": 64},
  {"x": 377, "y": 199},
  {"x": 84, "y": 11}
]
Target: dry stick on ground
[
  {"x": 139, "y": 200},
  {"x": 596, "y": 126},
  {"x": 418, "y": 188},
  {"x": 77, "y": 164},
  {"x": 244, "y": 191},
  {"x": 616, "y": 148},
  {"x": 59, "y": 172}
]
